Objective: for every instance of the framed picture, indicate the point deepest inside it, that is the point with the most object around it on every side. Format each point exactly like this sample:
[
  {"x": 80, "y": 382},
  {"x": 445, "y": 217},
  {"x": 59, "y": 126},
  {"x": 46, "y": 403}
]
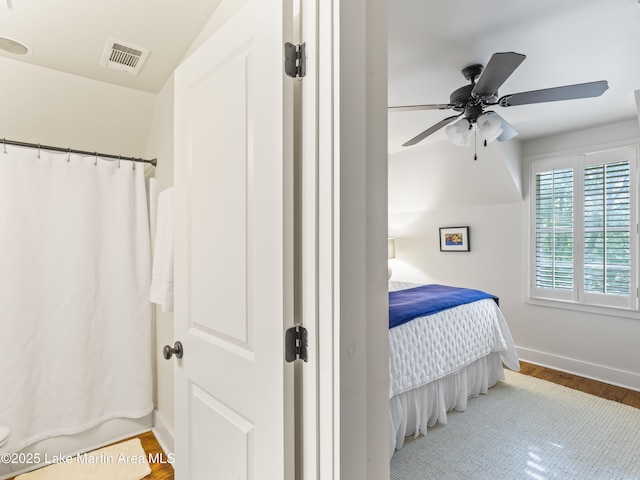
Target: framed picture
[{"x": 454, "y": 239}]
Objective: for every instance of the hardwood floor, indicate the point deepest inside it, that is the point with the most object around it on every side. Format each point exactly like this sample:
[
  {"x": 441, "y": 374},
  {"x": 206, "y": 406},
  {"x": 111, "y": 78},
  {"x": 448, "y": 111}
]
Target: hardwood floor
[
  {"x": 159, "y": 470},
  {"x": 599, "y": 389}
]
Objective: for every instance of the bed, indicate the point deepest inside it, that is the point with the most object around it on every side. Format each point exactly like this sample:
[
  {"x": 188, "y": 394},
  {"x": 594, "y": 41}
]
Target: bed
[{"x": 439, "y": 360}]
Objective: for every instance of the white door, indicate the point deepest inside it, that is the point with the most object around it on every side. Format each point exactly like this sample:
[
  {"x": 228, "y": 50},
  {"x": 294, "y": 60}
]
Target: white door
[{"x": 234, "y": 250}]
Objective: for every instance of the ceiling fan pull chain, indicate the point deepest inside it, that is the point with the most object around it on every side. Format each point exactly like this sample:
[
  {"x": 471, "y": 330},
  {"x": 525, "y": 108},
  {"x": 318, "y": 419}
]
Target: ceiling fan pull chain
[{"x": 475, "y": 144}]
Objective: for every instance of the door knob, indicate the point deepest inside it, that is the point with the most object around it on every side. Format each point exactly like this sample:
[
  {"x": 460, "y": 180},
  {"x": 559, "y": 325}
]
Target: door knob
[{"x": 168, "y": 351}]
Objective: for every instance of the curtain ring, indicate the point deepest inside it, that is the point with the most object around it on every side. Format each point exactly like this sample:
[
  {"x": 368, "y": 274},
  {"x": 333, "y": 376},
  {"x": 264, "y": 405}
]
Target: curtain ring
[
  {"x": 38, "y": 150},
  {"x": 133, "y": 162},
  {"x": 69, "y": 156},
  {"x": 96, "y": 162},
  {"x": 118, "y": 161},
  {"x": 4, "y": 145}
]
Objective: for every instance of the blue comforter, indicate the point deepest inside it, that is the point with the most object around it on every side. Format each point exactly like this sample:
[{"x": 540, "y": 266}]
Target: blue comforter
[{"x": 405, "y": 305}]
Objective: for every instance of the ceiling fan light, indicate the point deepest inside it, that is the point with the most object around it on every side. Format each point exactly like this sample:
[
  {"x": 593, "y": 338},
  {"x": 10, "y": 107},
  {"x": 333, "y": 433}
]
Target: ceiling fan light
[
  {"x": 489, "y": 126},
  {"x": 459, "y": 133}
]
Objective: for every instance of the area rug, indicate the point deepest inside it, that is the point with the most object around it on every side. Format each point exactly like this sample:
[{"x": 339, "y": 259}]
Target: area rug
[
  {"x": 122, "y": 461},
  {"x": 526, "y": 428}
]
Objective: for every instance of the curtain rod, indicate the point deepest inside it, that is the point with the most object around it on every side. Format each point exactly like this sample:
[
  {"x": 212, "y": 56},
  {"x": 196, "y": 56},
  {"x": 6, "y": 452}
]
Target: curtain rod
[{"x": 80, "y": 152}]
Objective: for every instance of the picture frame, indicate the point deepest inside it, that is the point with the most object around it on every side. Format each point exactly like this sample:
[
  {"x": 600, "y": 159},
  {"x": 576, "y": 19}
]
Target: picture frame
[{"x": 454, "y": 239}]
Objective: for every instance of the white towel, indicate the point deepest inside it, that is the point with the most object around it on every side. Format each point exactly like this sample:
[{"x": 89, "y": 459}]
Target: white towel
[{"x": 162, "y": 270}]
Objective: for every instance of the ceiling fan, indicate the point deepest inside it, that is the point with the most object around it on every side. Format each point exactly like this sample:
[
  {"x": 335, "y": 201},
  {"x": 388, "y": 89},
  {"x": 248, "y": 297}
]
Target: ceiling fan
[{"x": 471, "y": 100}]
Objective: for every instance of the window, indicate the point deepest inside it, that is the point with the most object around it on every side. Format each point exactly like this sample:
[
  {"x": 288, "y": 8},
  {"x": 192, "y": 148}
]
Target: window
[{"x": 584, "y": 228}]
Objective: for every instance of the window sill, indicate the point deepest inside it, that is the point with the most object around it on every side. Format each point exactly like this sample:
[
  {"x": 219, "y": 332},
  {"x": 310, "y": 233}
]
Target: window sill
[{"x": 581, "y": 307}]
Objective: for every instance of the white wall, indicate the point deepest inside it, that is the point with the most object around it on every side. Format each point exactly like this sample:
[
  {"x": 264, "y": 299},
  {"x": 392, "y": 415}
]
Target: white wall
[
  {"x": 593, "y": 345},
  {"x": 45, "y": 106},
  {"x": 160, "y": 146},
  {"x": 495, "y": 241}
]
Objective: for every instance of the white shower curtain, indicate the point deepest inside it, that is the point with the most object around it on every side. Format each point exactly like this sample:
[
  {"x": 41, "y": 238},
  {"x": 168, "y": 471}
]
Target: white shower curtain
[{"x": 75, "y": 317}]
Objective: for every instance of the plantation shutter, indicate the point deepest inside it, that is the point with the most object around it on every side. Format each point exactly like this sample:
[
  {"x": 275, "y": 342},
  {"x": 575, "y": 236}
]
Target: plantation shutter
[
  {"x": 554, "y": 230},
  {"x": 607, "y": 260}
]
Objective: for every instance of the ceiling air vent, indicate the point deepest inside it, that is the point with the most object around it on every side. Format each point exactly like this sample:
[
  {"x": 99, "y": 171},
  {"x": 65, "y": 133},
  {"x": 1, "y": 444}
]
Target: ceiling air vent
[{"x": 123, "y": 56}]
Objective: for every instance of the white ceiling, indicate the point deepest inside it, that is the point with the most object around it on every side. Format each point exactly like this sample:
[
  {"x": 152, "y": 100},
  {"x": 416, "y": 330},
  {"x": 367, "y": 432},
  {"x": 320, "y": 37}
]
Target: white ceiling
[
  {"x": 70, "y": 35},
  {"x": 566, "y": 42}
]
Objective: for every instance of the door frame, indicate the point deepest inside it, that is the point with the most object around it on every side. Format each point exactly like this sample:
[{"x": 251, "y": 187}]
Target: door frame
[{"x": 343, "y": 240}]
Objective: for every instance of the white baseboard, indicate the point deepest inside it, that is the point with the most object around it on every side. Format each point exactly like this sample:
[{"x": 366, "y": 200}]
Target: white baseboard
[
  {"x": 612, "y": 376},
  {"x": 162, "y": 432}
]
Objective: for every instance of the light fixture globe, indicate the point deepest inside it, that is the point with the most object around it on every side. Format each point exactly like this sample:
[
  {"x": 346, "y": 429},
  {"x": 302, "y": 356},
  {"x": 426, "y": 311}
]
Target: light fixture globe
[
  {"x": 489, "y": 126},
  {"x": 459, "y": 133}
]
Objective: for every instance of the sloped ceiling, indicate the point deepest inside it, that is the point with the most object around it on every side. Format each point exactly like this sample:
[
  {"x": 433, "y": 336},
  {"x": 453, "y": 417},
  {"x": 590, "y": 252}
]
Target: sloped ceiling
[
  {"x": 440, "y": 175},
  {"x": 70, "y": 35}
]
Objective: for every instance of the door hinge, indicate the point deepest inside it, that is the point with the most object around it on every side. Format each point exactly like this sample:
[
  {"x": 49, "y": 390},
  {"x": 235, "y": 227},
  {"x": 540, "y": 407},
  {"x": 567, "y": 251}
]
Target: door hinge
[
  {"x": 295, "y": 60},
  {"x": 296, "y": 344}
]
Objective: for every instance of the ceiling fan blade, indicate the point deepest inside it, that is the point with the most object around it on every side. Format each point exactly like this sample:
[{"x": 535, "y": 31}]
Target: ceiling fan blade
[
  {"x": 409, "y": 108},
  {"x": 429, "y": 131},
  {"x": 568, "y": 92},
  {"x": 499, "y": 68}
]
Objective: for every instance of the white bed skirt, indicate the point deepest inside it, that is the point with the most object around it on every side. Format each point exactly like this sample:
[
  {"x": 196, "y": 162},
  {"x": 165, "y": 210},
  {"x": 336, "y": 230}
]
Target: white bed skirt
[{"x": 413, "y": 411}]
